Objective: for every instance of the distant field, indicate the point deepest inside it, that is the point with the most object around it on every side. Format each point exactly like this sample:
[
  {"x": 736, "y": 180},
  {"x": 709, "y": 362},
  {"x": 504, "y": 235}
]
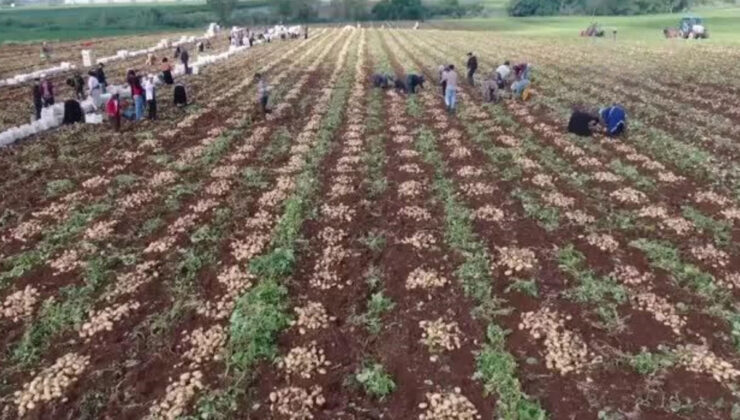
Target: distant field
[
  {"x": 83, "y": 21},
  {"x": 722, "y": 24}
]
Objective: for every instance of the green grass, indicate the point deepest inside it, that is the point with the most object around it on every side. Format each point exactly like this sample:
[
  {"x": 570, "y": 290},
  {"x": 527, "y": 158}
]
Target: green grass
[
  {"x": 62, "y": 22},
  {"x": 721, "y": 22}
]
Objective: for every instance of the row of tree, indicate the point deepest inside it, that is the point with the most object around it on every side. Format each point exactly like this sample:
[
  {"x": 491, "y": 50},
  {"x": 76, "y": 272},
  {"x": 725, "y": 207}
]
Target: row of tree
[
  {"x": 351, "y": 10},
  {"x": 596, "y": 7}
]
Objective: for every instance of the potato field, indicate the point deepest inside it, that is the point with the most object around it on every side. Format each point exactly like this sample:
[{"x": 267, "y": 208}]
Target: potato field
[{"x": 364, "y": 254}]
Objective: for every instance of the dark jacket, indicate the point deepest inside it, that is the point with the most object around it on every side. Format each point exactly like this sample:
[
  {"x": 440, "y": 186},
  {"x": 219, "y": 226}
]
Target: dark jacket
[
  {"x": 580, "y": 121},
  {"x": 100, "y": 75},
  {"x": 473, "y": 63},
  {"x": 36, "y": 92}
]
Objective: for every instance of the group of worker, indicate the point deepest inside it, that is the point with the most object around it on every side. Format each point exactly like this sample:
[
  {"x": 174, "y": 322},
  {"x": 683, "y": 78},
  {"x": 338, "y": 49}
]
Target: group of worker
[
  {"x": 514, "y": 82},
  {"x": 143, "y": 92}
]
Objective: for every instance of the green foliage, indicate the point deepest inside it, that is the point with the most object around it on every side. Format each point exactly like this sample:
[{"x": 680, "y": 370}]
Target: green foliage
[
  {"x": 149, "y": 227},
  {"x": 375, "y": 380},
  {"x": 216, "y": 405},
  {"x": 664, "y": 256},
  {"x": 720, "y": 230},
  {"x": 377, "y": 305},
  {"x": 58, "y": 187},
  {"x": 254, "y": 178},
  {"x": 398, "y": 10},
  {"x": 646, "y": 363},
  {"x": 594, "y": 7},
  {"x": 278, "y": 263},
  {"x": 602, "y": 291},
  {"x": 223, "y": 9},
  {"x": 60, "y": 315},
  {"x": 631, "y": 173},
  {"x": 375, "y": 241},
  {"x": 496, "y": 368},
  {"x": 528, "y": 287},
  {"x": 278, "y": 146},
  {"x": 546, "y": 216},
  {"x": 257, "y": 318}
]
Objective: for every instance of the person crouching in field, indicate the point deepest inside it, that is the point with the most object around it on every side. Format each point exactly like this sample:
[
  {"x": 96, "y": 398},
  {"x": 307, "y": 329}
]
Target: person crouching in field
[
  {"x": 614, "y": 120},
  {"x": 520, "y": 87},
  {"x": 382, "y": 81},
  {"x": 263, "y": 93},
  {"x": 413, "y": 81},
  {"x": 584, "y": 122},
  {"x": 113, "y": 109},
  {"x": 489, "y": 89}
]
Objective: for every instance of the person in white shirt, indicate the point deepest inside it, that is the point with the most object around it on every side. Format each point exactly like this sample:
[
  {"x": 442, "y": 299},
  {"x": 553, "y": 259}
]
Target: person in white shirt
[
  {"x": 150, "y": 95},
  {"x": 449, "y": 78},
  {"x": 94, "y": 88},
  {"x": 502, "y": 74}
]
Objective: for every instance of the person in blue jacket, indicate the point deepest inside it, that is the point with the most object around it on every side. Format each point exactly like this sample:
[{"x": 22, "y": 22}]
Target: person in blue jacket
[{"x": 614, "y": 120}]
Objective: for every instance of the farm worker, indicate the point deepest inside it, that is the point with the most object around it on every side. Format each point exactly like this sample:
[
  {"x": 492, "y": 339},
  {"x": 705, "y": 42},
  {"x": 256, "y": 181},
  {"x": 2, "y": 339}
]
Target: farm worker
[
  {"x": 177, "y": 52},
  {"x": 185, "y": 57},
  {"x": 521, "y": 84},
  {"x": 166, "y": 72},
  {"x": 451, "y": 87},
  {"x": 263, "y": 93},
  {"x": 180, "y": 96},
  {"x": 150, "y": 59},
  {"x": 521, "y": 71},
  {"x": 201, "y": 47},
  {"x": 413, "y": 81},
  {"x": 45, "y": 51},
  {"x": 151, "y": 99},
  {"x": 441, "y": 71},
  {"x": 137, "y": 93},
  {"x": 47, "y": 92},
  {"x": 381, "y": 80},
  {"x": 472, "y": 67},
  {"x": 38, "y": 102},
  {"x": 113, "y": 109},
  {"x": 78, "y": 84},
  {"x": 582, "y": 121},
  {"x": 305, "y": 33},
  {"x": 614, "y": 120},
  {"x": 502, "y": 74},
  {"x": 489, "y": 88},
  {"x": 72, "y": 112},
  {"x": 100, "y": 74},
  {"x": 93, "y": 87}
]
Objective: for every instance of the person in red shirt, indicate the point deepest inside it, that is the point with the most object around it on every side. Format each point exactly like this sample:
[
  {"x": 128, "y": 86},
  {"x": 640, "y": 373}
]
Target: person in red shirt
[
  {"x": 113, "y": 109},
  {"x": 137, "y": 93}
]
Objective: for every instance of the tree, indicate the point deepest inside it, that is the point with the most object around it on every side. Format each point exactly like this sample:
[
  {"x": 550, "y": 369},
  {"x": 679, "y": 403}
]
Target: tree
[
  {"x": 399, "y": 9},
  {"x": 223, "y": 9}
]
